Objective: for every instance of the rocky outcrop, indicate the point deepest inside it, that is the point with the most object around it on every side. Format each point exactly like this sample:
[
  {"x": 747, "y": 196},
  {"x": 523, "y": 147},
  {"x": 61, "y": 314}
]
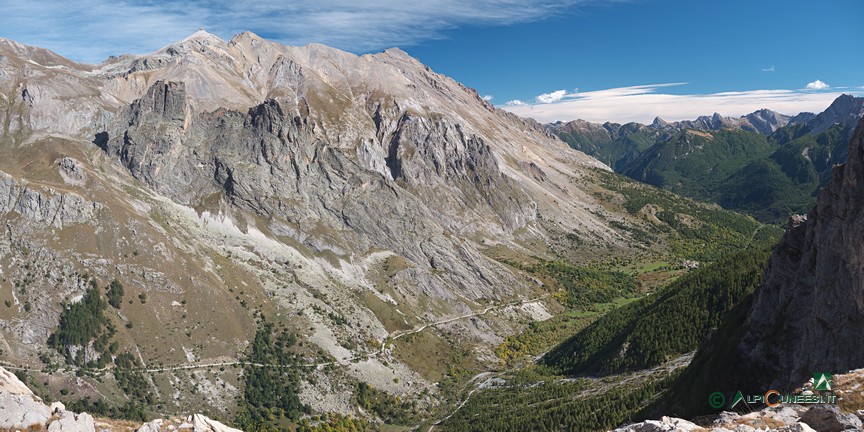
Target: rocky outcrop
[
  {"x": 49, "y": 207},
  {"x": 202, "y": 423},
  {"x": 809, "y": 316},
  {"x": 396, "y": 181},
  {"x": 65, "y": 421},
  {"x": 21, "y": 409},
  {"x": 71, "y": 171},
  {"x": 193, "y": 423}
]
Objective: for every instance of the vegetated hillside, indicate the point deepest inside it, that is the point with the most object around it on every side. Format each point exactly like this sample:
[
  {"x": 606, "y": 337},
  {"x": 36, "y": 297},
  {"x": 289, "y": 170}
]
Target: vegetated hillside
[
  {"x": 805, "y": 318},
  {"x": 613, "y": 144},
  {"x": 694, "y": 163},
  {"x": 625, "y": 358},
  {"x": 695, "y": 231},
  {"x": 769, "y": 172},
  {"x": 531, "y": 402},
  {"x": 669, "y": 323},
  {"x": 674, "y": 231}
]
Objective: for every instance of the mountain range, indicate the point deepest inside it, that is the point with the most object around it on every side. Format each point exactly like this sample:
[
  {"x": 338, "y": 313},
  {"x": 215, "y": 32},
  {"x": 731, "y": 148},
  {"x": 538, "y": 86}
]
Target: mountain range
[
  {"x": 765, "y": 163},
  {"x": 304, "y": 238},
  {"x": 361, "y": 220}
]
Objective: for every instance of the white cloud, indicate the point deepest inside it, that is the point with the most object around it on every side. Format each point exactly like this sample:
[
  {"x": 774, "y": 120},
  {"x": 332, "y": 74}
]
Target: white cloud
[
  {"x": 90, "y": 30},
  {"x": 768, "y": 69},
  {"x": 552, "y": 97},
  {"x": 488, "y": 98},
  {"x": 817, "y": 85},
  {"x": 515, "y": 103},
  {"x": 643, "y": 102}
]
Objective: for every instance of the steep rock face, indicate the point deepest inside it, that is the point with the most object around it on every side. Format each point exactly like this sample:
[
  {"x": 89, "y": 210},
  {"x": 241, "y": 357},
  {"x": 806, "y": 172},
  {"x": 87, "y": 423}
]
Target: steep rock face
[
  {"x": 810, "y": 314},
  {"x": 50, "y": 207},
  {"x": 271, "y": 161}
]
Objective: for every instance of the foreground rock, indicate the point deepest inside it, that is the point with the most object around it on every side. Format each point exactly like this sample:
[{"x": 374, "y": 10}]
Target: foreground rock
[
  {"x": 790, "y": 418},
  {"x": 21, "y": 409},
  {"x": 194, "y": 423},
  {"x": 847, "y": 415}
]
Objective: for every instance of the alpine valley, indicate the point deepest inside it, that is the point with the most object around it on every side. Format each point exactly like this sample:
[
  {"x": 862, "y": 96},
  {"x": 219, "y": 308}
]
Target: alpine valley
[{"x": 271, "y": 237}]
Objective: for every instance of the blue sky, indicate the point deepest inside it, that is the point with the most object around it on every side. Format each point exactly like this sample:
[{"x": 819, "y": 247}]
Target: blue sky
[{"x": 598, "y": 60}]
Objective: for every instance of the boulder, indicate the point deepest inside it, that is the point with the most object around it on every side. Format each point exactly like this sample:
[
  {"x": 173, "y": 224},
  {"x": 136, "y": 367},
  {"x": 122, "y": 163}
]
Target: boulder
[
  {"x": 828, "y": 418},
  {"x": 71, "y": 422},
  {"x": 202, "y": 423},
  {"x": 797, "y": 427},
  {"x": 152, "y": 426},
  {"x": 665, "y": 424},
  {"x": 19, "y": 407},
  {"x": 22, "y": 411}
]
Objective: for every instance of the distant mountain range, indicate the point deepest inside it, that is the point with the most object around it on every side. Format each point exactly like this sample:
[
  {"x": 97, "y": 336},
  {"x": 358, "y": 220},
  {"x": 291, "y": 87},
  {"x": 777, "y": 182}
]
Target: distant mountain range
[{"x": 764, "y": 163}]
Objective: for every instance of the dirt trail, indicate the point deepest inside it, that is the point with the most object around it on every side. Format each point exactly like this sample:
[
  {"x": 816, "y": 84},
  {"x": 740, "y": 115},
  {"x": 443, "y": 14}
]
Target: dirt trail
[{"x": 392, "y": 338}]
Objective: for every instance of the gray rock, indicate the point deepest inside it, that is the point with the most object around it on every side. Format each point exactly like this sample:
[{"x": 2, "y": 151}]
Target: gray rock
[
  {"x": 201, "y": 423},
  {"x": 48, "y": 207},
  {"x": 828, "y": 418},
  {"x": 152, "y": 426},
  {"x": 787, "y": 414},
  {"x": 18, "y": 411},
  {"x": 797, "y": 427},
  {"x": 665, "y": 424},
  {"x": 71, "y": 171},
  {"x": 19, "y": 407},
  {"x": 71, "y": 422}
]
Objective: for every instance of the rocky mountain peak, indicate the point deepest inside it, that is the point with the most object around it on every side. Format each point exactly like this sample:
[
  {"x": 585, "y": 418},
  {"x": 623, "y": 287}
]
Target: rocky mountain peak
[
  {"x": 846, "y": 109},
  {"x": 203, "y": 36},
  {"x": 659, "y": 123}
]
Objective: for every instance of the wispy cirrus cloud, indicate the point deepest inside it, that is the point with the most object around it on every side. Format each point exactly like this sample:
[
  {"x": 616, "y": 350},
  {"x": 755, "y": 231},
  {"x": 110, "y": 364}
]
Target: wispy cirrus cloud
[
  {"x": 642, "y": 103},
  {"x": 90, "y": 30}
]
